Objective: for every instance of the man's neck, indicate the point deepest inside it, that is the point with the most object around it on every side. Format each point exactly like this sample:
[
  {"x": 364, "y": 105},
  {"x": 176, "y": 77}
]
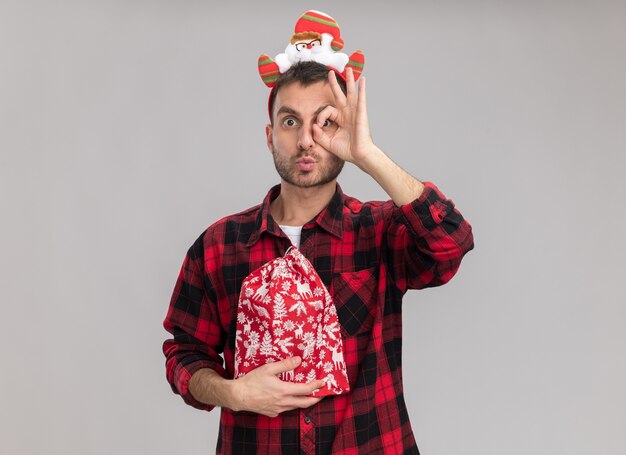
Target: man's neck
[{"x": 296, "y": 206}]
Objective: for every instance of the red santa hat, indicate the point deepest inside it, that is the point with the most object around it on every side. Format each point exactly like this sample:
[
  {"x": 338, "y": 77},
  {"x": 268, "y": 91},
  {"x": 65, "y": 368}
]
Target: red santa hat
[{"x": 316, "y": 21}]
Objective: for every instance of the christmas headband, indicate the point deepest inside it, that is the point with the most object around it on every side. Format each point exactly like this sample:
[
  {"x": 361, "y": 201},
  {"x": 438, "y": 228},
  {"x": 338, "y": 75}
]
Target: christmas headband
[{"x": 316, "y": 38}]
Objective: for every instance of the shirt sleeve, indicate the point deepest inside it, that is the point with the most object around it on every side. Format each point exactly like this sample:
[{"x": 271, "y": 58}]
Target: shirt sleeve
[
  {"x": 192, "y": 319},
  {"x": 431, "y": 237}
]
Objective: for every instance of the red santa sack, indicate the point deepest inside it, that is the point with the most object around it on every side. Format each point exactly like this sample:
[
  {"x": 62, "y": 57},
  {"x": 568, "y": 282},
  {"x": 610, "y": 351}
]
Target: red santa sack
[{"x": 285, "y": 310}]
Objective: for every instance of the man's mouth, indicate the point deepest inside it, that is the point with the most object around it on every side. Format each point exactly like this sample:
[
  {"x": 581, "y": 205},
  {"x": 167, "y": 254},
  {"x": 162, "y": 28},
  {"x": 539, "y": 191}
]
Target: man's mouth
[{"x": 305, "y": 163}]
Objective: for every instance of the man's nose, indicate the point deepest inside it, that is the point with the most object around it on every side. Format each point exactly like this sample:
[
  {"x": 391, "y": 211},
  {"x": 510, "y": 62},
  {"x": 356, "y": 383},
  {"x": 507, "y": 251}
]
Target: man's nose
[{"x": 305, "y": 137}]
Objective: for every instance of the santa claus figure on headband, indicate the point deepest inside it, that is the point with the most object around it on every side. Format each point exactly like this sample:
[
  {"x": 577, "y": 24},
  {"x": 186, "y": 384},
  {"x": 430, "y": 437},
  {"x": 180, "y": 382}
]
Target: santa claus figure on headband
[
  {"x": 316, "y": 38},
  {"x": 311, "y": 46}
]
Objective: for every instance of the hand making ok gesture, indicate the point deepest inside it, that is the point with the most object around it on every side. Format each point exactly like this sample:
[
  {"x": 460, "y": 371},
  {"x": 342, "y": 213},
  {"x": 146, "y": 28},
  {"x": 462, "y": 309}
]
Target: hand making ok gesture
[{"x": 351, "y": 141}]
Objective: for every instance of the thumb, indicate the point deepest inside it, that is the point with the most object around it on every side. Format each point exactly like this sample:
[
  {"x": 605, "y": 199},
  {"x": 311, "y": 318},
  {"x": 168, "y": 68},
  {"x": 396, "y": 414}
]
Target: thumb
[
  {"x": 321, "y": 137},
  {"x": 284, "y": 365}
]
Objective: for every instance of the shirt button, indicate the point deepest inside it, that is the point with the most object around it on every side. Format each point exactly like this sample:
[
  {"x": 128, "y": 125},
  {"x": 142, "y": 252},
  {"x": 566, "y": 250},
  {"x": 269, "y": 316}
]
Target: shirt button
[{"x": 307, "y": 419}]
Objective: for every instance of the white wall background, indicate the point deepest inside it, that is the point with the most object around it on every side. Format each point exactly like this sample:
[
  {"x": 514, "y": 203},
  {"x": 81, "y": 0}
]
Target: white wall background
[{"x": 126, "y": 127}]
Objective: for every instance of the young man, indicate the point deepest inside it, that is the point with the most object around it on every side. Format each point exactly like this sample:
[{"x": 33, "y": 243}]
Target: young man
[{"x": 366, "y": 254}]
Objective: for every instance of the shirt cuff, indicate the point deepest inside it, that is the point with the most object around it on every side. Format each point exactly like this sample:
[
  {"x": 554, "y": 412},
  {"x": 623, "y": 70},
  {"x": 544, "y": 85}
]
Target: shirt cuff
[
  {"x": 183, "y": 375},
  {"x": 428, "y": 211}
]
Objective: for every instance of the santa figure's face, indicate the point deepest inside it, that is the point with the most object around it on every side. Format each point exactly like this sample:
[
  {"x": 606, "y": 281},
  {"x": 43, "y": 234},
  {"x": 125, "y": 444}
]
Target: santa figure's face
[
  {"x": 303, "y": 48},
  {"x": 302, "y": 45}
]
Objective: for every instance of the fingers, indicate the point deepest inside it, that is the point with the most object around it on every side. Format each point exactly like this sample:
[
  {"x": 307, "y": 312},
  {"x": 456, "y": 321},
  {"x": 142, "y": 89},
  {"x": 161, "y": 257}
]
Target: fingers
[
  {"x": 350, "y": 98},
  {"x": 291, "y": 404},
  {"x": 321, "y": 137},
  {"x": 265, "y": 393},
  {"x": 320, "y": 132},
  {"x": 293, "y": 389},
  {"x": 289, "y": 388},
  {"x": 350, "y": 87},
  {"x": 340, "y": 98},
  {"x": 282, "y": 366},
  {"x": 328, "y": 113},
  {"x": 361, "y": 108}
]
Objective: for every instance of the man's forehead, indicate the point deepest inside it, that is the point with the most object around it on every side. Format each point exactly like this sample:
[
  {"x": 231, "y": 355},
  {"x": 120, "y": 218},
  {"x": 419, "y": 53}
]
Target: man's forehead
[{"x": 298, "y": 98}]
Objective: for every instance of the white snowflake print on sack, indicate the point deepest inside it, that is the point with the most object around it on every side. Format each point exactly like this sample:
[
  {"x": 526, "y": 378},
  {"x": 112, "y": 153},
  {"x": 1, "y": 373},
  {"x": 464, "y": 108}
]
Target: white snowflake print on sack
[{"x": 285, "y": 310}]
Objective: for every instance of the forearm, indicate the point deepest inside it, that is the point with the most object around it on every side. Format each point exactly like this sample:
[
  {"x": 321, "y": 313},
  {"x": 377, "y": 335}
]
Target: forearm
[
  {"x": 208, "y": 387},
  {"x": 401, "y": 187},
  {"x": 259, "y": 391}
]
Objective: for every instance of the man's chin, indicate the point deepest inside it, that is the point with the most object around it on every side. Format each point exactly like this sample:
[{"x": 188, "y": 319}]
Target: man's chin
[
  {"x": 307, "y": 184},
  {"x": 316, "y": 183},
  {"x": 308, "y": 178}
]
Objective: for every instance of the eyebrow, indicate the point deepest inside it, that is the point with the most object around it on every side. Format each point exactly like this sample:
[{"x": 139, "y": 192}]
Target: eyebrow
[
  {"x": 291, "y": 111},
  {"x": 286, "y": 110}
]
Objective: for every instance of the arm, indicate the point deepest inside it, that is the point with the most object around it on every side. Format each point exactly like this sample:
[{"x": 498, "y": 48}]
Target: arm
[
  {"x": 194, "y": 367},
  {"x": 352, "y": 141},
  {"x": 193, "y": 320},
  {"x": 259, "y": 391},
  {"x": 427, "y": 237}
]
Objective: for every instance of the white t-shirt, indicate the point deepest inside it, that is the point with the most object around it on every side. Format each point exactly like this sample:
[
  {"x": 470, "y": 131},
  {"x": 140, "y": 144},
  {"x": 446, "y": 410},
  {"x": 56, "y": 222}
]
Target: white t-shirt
[{"x": 294, "y": 233}]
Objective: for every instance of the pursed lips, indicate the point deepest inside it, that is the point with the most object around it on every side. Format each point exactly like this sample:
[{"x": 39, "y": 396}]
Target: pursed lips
[{"x": 305, "y": 163}]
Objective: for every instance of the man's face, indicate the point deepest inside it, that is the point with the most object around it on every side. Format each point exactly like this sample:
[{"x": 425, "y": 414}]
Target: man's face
[{"x": 299, "y": 160}]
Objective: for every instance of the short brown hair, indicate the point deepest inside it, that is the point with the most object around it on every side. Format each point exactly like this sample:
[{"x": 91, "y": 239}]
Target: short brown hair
[{"x": 305, "y": 73}]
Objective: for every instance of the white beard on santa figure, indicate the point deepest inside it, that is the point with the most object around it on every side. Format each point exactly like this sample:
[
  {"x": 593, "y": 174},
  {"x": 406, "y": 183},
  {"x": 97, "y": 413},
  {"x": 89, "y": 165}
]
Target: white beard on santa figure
[{"x": 323, "y": 54}]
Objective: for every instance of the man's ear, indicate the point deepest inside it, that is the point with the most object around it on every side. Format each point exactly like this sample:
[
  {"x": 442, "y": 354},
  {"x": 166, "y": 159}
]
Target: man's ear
[{"x": 268, "y": 134}]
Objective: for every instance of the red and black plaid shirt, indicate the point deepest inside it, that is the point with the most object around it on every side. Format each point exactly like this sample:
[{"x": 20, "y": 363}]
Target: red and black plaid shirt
[{"x": 367, "y": 255}]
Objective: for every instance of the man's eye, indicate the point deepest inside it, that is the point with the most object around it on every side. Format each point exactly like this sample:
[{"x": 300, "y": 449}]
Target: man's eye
[
  {"x": 327, "y": 122},
  {"x": 289, "y": 122}
]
